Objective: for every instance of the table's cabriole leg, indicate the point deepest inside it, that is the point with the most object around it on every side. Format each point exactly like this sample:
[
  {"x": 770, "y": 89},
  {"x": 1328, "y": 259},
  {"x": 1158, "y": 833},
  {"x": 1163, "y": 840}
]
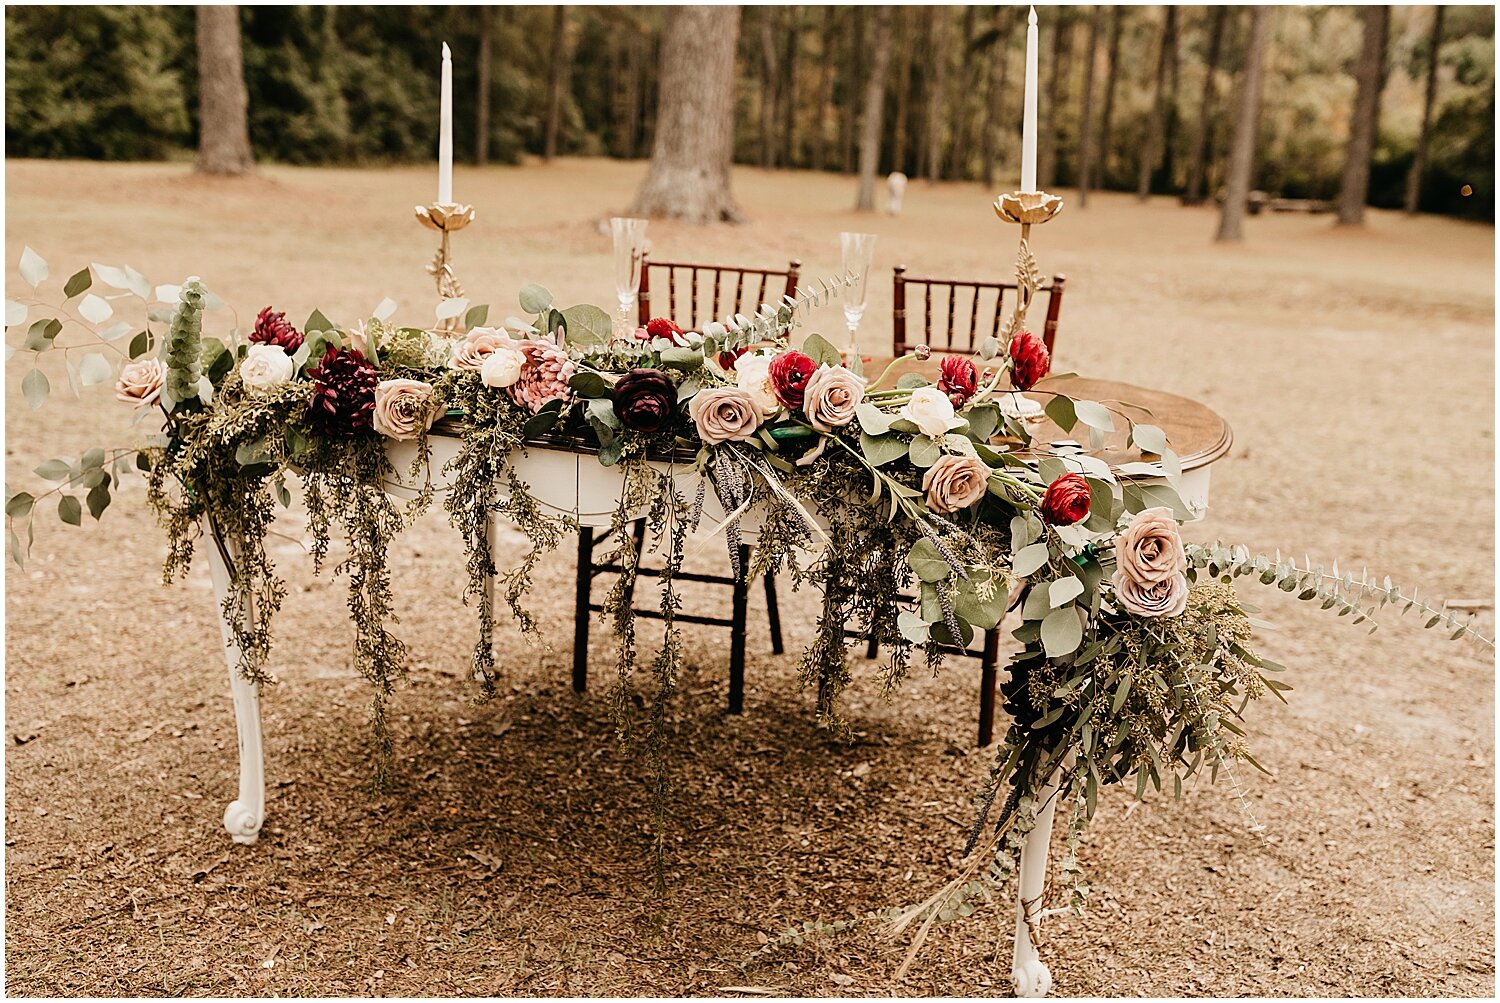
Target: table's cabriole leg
[
  {"x": 244, "y": 816},
  {"x": 1030, "y": 977}
]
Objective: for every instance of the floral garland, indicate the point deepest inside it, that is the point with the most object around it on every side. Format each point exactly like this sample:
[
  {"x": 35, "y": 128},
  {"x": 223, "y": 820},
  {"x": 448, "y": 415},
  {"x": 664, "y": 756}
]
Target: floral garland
[{"x": 1135, "y": 663}]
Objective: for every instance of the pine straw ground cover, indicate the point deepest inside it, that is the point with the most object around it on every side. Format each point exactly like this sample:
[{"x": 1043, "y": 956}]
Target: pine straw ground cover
[{"x": 511, "y": 855}]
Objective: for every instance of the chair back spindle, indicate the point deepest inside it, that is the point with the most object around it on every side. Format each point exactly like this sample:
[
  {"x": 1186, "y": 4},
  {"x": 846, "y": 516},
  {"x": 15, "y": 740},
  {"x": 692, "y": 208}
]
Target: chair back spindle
[
  {"x": 942, "y": 324},
  {"x": 706, "y": 284}
]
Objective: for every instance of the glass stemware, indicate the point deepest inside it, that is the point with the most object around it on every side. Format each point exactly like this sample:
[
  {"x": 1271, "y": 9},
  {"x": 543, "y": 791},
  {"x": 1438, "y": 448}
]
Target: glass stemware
[
  {"x": 858, "y": 255},
  {"x": 630, "y": 246}
]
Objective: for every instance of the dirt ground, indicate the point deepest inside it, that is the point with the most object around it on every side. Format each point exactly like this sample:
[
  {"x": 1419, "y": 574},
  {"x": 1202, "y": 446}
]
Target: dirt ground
[{"x": 1356, "y": 368}]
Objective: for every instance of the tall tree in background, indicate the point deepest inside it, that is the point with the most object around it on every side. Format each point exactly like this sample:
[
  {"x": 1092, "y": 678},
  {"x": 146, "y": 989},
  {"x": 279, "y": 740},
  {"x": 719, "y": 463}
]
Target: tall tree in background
[
  {"x": 689, "y": 174},
  {"x": 1242, "y": 155},
  {"x": 825, "y": 92},
  {"x": 1151, "y": 151},
  {"x": 482, "y": 90},
  {"x": 932, "y": 149},
  {"x": 1086, "y": 117},
  {"x": 1117, "y": 24},
  {"x": 556, "y": 80},
  {"x": 223, "y": 123},
  {"x": 1046, "y": 170},
  {"x": 1369, "y": 75},
  {"x": 770, "y": 82},
  {"x": 1419, "y": 161},
  {"x": 899, "y": 142},
  {"x": 997, "y": 61},
  {"x": 872, "y": 125},
  {"x": 1202, "y": 131}
]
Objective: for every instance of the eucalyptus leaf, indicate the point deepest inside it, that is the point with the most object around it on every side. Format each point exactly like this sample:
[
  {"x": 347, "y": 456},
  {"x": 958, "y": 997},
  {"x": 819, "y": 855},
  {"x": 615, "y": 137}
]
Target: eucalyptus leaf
[
  {"x": 1063, "y": 591},
  {"x": 588, "y": 325},
  {"x": 79, "y": 282},
  {"x": 1094, "y": 415},
  {"x": 33, "y": 268},
  {"x": 924, "y": 451},
  {"x": 54, "y": 470},
  {"x": 535, "y": 298},
  {"x": 94, "y": 369},
  {"x": 70, "y": 511},
  {"x": 1149, "y": 438},
  {"x": 872, "y": 419},
  {"x": 34, "y": 387},
  {"x": 879, "y": 450},
  {"x": 1060, "y": 410},
  {"x": 15, "y": 313},
  {"x": 19, "y": 504},
  {"x": 450, "y": 308},
  {"x": 818, "y": 348},
  {"x": 1062, "y": 631},
  {"x": 588, "y": 385},
  {"x": 912, "y": 627},
  {"x": 927, "y": 563},
  {"x": 386, "y": 308},
  {"x": 1028, "y": 559}
]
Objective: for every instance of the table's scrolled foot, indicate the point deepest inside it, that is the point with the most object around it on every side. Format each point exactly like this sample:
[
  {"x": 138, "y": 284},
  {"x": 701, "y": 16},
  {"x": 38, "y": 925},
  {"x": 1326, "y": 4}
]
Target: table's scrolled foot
[
  {"x": 243, "y": 822},
  {"x": 1031, "y": 979}
]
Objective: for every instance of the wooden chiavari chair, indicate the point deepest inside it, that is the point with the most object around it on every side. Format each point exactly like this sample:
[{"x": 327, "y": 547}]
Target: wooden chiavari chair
[
  {"x": 689, "y": 287},
  {"x": 970, "y": 311}
]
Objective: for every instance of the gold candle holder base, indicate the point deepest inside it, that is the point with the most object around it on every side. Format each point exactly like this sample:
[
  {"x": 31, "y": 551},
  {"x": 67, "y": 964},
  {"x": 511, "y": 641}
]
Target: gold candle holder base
[{"x": 446, "y": 218}]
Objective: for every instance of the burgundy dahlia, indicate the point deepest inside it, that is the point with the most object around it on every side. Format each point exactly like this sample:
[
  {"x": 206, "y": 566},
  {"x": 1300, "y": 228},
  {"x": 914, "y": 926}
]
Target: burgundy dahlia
[
  {"x": 272, "y": 328},
  {"x": 957, "y": 378},
  {"x": 1029, "y": 360},
  {"x": 645, "y": 400},
  {"x": 343, "y": 399},
  {"x": 789, "y": 373}
]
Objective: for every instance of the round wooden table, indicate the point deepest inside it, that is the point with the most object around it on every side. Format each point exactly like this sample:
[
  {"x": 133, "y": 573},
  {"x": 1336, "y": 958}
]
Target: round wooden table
[{"x": 1196, "y": 433}]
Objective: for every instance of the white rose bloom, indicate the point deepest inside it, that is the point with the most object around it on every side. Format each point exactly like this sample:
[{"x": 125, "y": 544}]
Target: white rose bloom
[
  {"x": 502, "y": 368},
  {"x": 752, "y": 375},
  {"x": 931, "y": 411},
  {"x": 266, "y": 366}
]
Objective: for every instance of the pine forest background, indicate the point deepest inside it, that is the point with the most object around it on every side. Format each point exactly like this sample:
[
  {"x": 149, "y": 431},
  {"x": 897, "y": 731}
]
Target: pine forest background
[{"x": 340, "y": 85}]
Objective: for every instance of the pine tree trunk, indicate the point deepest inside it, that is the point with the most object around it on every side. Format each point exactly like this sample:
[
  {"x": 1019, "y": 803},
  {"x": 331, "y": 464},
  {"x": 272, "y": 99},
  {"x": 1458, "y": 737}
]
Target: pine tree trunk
[
  {"x": 482, "y": 91},
  {"x": 994, "y": 94},
  {"x": 555, "y": 80},
  {"x": 854, "y": 81},
  {"x": 1201, "y": 132},
  {"x": 1419, "y": 162},
  {"x": 901, "y": 142},
  {"x": 1369, "y": 75},
  {"x": 769, "y": 81},
  {"x": 1151, "y": 150},
  {"x": 633, "y": 92},
  {"x": 932, "y": 156},
  {"x": 874, "y": 113},
  {"x": 960, "y": 136},
  {"x": 1046, "y": 170},
  {"x": 1117, "y": 24},
  {"x": 1242, "y": 156},
  {"x": 825, "y": 93},
  {"x": 1167, "y": 179},
  {"x": 223, "y": 125},
  {"x": 1086, "y": 115},
  {"x": 789, "y": 150},
  {"x": 689, "y": 174}
]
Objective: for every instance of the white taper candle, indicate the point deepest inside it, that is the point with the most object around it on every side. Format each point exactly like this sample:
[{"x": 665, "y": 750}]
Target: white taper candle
[
  {"x": 445, "y": 133},
  {"x": 1028, "y": 124}
]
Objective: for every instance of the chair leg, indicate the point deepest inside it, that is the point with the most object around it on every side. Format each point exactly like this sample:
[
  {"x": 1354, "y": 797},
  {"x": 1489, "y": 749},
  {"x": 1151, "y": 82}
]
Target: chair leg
[
  {"x": 873, "y": 648},
  {"x": 639, "y": 533},
  {"x": 581, "y": 609},
  {"x": 737, "y": 637},
  {"x": 773, "y": 614},
  {"x": 987, "y": 686}
]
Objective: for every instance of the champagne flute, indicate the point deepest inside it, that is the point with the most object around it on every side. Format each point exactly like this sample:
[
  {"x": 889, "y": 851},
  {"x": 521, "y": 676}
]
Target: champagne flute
[
  {"x": 630, "y": 246},
  {"x": 858, "y": 255}
]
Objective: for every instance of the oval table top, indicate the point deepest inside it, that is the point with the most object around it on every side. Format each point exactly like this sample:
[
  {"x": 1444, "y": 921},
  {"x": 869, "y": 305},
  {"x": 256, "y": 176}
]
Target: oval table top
[{"x": 1197, "y": 434}]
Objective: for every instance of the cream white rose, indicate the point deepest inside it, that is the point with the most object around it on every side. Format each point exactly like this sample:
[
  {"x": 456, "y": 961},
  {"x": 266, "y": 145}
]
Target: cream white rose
[
  {"x": 502, "y": 367},
  {"x": 752, "y": 375},
  {"x": 266, "y": 366},
  {"x": 478, "y": 345},
  {"x": 931, "y": 411}
]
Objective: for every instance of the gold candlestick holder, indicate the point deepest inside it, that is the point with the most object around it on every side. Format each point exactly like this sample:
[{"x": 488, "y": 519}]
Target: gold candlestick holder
[
  {"x": 446, "y": 218},
  {"x": 1027, "y": 209}
]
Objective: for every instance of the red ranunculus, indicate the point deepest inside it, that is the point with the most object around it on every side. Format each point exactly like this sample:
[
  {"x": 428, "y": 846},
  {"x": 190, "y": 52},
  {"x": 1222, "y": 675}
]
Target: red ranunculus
[
  {"x": 789, "y": 373},
  {"x": 661, "y": 327},
  {"x": 957, "y": 378},
  {"x": 272, "y": 328},
  {"x": 1066, "y": 500},
  {"x": 1029, "y": 360}
]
